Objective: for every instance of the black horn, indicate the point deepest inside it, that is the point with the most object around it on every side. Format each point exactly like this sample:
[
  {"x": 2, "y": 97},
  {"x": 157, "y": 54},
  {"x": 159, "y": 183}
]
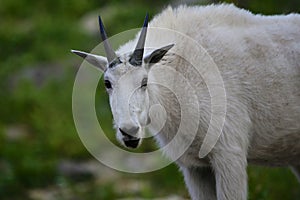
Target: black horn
[
  {"x": 137, "y": 56},
  {"x": 110, "y": 54}
]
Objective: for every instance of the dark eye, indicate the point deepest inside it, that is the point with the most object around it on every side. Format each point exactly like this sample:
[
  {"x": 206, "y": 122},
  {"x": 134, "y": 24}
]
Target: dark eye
[
  {"x": 107, "y": 84},
  {"x": 144, "y": 83}
]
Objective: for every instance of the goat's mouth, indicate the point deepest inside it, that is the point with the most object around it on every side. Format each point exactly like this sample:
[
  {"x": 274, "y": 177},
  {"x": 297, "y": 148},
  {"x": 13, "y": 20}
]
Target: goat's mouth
[
  {"x": 129, "y": 140},
  {"x": 132, "y": 143}
]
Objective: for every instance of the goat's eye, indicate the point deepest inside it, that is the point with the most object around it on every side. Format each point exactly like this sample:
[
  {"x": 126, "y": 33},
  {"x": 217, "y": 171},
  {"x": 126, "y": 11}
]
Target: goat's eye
[
  {"x": 144, "y": 83},
  {"x": 107, "y": 84}
]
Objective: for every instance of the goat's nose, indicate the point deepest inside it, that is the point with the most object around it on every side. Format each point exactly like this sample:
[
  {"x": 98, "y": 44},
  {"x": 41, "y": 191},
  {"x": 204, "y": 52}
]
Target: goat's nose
[{"x": 129, "y": 131}]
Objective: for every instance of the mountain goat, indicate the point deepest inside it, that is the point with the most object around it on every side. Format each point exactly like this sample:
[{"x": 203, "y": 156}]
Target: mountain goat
[{"x": 258, "y": 58}]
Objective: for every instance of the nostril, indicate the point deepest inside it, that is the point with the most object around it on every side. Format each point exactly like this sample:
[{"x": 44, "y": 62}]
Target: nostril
[{"x": 125, "y": 134}]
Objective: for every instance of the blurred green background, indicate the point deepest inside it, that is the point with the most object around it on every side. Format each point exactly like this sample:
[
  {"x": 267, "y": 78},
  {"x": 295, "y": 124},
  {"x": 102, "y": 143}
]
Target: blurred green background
[{"x": 41, "y": 155}]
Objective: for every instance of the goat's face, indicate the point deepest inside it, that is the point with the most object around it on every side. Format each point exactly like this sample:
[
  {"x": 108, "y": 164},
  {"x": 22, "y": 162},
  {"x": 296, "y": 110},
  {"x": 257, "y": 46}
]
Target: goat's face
[
  {"x": 126, "y": 79},
  {"x": 129, "y": 101}
]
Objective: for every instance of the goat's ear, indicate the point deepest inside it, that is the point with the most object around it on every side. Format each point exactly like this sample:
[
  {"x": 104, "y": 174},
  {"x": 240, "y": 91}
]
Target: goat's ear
[
  {"x": 98, "y": 61},
  {"x": 157, "y": 55}
]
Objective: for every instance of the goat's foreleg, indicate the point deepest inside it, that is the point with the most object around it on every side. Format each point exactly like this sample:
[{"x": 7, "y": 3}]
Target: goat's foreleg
[
  {"x": 231, "y": 175},
  {"x": 200, "y": 183}
]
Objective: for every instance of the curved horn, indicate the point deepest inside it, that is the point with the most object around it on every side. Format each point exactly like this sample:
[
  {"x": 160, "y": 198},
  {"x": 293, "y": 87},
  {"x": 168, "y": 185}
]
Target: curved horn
[
  {"x": 137, "y": 56},
  {"x": 110, "y": 54}
]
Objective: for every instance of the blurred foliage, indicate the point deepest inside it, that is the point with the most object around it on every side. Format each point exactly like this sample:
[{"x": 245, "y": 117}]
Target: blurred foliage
[
  {"x": 35, "y": 34},
  {"x": 268, "y": 6}
]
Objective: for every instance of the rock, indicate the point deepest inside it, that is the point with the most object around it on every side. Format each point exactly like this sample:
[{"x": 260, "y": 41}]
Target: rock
[
  {"x": 77, "y": 170},
  {"x": 40, "y": 194},
  {"x": 38, "y": 74},
  {"x": 130, "y": 186},
  {"x": 16, "y": 132},
  {"x": 89, "y": 22}
]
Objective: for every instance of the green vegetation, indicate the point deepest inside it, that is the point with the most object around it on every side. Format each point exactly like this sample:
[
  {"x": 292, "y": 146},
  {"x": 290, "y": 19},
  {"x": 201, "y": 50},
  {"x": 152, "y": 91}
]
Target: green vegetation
[{"x": 36, "y": 125}]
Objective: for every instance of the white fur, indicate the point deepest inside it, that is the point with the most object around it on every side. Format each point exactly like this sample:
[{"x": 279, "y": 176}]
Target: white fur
[{"x": 259, "y": 60}]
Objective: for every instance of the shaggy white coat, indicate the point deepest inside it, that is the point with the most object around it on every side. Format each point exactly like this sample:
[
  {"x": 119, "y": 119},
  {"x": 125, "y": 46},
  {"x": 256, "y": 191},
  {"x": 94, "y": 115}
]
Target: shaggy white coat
[{"x": 259, "y": 60}]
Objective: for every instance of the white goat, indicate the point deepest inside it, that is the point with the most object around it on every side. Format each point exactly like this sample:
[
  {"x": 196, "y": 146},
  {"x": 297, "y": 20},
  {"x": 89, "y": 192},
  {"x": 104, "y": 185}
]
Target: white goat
[{"x": 258, "y": 58}]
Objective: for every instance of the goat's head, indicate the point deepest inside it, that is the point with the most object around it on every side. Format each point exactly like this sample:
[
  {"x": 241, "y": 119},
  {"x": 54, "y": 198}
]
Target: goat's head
[{"x": 125, "y": 78}]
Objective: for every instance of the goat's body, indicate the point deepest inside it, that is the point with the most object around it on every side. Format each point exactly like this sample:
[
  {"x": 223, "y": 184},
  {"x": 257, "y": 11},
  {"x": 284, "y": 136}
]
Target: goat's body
[{"x": 259, "y": 60}]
